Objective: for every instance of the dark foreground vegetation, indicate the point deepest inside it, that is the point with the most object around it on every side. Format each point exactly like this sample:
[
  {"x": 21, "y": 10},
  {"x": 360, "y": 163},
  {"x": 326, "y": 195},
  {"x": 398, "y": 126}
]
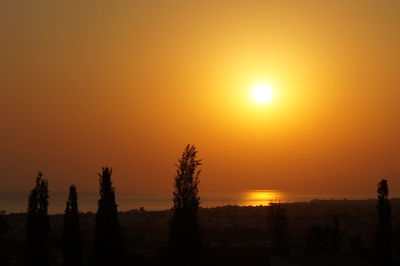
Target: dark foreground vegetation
[
  {"x": 320, "y": 232},
  {"x": 230, "y": 229}
]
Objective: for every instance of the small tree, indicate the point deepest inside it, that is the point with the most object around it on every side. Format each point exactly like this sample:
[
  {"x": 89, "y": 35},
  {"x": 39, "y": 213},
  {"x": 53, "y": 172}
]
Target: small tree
[
  {"x": 71, "y": 234},
  {"x": 37, "y": 224},
  {"x": 108, "y": 240},
  {"x": 184, "y": 236},
  {"x": 384, "y": 231},
  {"x": 278, "y": 228}
]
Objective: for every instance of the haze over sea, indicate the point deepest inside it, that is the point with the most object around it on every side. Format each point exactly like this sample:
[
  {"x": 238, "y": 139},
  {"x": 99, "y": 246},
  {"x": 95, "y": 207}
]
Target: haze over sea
[{"x": 17, "y": 201}]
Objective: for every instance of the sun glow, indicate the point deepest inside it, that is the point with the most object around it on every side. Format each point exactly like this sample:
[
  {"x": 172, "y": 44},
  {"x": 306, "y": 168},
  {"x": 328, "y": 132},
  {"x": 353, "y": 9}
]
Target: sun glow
[
  {"x": 262, "y": 93},
  {"x": 261, "y": 197}
]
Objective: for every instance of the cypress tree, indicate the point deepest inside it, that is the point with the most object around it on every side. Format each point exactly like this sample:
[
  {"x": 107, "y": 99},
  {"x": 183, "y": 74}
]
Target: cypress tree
[
  {"x": 384, "y": 228},
  {"x": 37, "y": 225},
  {"x": 184, "y": 236},
  {"x": 71, "y": 234},
  {"x": 108, "y": 240}
]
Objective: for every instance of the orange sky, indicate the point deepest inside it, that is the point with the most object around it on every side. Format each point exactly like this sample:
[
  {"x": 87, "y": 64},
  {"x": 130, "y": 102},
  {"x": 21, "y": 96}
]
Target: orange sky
[{"x": 129, "y": 83}]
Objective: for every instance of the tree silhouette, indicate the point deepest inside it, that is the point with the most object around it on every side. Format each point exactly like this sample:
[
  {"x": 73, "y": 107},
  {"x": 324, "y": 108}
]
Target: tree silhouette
[
  {"x": 108, "y": 240},
  {"x": 184, "y": 236},
  {"x": 384, "y": 227},
  {"x": 278, "y": 228},
  {"x": 71, "y": 234},
  {"x": 37, "y": 225}
]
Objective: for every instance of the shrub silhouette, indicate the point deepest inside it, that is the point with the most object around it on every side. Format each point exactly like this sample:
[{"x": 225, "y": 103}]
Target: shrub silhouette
[{"x": 71, "y": 233}]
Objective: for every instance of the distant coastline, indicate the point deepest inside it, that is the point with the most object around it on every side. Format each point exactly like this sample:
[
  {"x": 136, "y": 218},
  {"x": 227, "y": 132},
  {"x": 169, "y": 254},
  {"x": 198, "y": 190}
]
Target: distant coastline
[{"x": 15, "y": 202}]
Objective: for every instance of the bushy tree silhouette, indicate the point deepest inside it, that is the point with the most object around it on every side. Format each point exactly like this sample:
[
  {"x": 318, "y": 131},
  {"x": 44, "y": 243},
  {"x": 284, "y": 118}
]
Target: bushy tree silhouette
[
  {"x": 71, "y": 234},
  {"x": 384, "y": 233},
  {"x": 108, "y": 239},
  {"x": 278, "y": 228},
  {"x": 37, "y": 225},
  {"x": 184, "y": 239}
]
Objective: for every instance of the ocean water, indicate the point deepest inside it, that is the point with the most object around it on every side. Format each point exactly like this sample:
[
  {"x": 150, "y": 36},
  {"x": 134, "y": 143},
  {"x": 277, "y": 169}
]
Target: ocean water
[{"x": 17, "y": 201}]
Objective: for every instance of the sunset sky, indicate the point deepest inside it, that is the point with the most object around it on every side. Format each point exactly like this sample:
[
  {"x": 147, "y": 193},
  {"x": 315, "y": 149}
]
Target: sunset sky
[{"x": 128, "y": 84}]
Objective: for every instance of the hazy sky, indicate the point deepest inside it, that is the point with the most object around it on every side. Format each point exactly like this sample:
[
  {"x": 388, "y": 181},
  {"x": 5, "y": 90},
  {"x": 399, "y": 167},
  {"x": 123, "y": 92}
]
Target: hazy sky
[{"x": 129, "y": 83}]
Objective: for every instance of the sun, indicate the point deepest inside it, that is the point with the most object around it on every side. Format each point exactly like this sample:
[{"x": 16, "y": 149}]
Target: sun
[{"x": 262, "y": 93}]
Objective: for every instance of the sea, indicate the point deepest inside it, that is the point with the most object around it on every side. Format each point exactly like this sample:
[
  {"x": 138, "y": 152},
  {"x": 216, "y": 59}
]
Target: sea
[{"x": 16, "y": 202}]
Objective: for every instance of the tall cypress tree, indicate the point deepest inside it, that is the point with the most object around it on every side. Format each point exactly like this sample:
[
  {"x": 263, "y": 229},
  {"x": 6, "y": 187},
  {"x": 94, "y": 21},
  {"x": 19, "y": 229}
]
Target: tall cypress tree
[
  {"x": 384, "y": 233},
  {"x": 108, "y": 240},
  {"x": 184, "y": 236},
  {"x": 37, "y": 225},
  {"x": 71, "y": 234}
]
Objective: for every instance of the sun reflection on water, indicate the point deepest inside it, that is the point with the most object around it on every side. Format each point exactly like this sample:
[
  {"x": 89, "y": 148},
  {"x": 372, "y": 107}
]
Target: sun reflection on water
[{"x": 261, "y": 197}]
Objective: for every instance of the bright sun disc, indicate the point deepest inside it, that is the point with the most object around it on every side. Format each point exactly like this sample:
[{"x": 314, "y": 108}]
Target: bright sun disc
[{"x": 262, "y": 93}]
